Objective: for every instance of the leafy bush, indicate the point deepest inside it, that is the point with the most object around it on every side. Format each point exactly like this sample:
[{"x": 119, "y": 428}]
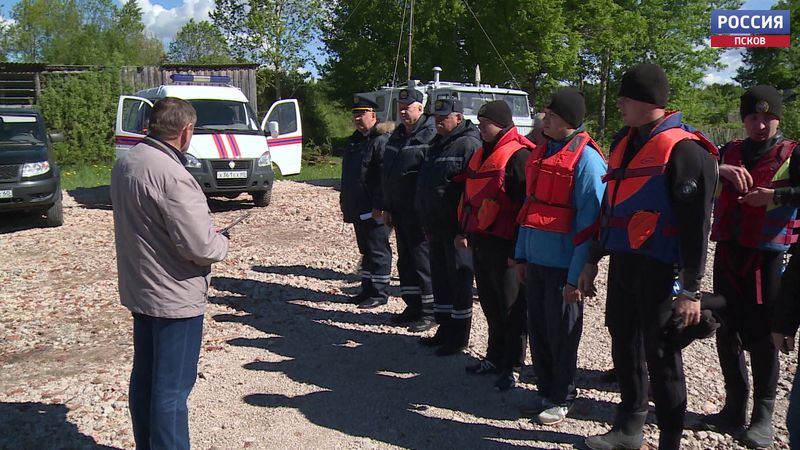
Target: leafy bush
[{"x": 83, "y": 107}]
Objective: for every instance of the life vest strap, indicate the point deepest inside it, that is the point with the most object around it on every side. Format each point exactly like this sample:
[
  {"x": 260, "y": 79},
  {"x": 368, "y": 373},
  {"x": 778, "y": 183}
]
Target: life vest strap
[
  {"x": 783, "y": 223},
  {"x": 623, "y": 173},
  {"x": 586, "y": 233},
  {"x": 783, "y": 239}
]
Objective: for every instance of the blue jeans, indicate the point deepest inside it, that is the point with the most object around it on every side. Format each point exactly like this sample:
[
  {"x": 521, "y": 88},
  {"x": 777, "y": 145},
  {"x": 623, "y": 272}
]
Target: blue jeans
[
  {"x": 793, "y": 414},
  {"x": 165, "y": 355}
]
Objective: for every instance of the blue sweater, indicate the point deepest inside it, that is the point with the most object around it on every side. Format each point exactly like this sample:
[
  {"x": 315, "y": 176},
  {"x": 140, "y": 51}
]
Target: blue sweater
[{"x": 553, "y": 249}]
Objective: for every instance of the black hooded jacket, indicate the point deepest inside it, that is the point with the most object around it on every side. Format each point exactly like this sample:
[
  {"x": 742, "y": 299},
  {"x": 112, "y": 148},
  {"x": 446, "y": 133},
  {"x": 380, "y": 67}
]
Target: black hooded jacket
[
  {"x": 437, "y": 194},
  {"x": 361, "y": 173},
  {"x": 401, "y": 162}
]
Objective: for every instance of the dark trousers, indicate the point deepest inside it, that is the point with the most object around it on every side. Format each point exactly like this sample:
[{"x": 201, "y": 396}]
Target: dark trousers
[
  {"x": 413, "y": 263},
  {"x": 452, "y": 275},
  {"x": 376, "y": 258},
  {"x": 749, "y": 279},
  {"x": 555, "y": 331},
  {"x": 503, "y": 304},
  {"x": 638, "y": 307},
  {"x": 165, "y": 355}
]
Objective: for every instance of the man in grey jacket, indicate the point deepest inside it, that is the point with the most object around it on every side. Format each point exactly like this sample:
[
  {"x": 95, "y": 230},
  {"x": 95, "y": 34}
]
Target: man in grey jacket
[{"x": 166, "y": 243}]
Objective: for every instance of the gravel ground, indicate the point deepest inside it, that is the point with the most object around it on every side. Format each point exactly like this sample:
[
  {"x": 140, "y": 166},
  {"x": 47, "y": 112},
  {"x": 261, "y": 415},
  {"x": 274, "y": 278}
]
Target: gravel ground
[{"x": 285, "y": 362}]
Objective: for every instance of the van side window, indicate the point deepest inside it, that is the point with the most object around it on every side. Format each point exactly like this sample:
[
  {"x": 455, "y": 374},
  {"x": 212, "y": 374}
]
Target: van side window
[
  {"x": 286, "y": 117},
  {"x": 135, "y": 114}
]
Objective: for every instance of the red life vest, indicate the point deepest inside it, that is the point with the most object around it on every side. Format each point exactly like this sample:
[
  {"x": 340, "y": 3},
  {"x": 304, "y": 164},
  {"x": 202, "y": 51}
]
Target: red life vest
[
  {"x": 485, "y": 207},
  {"x": 549, "y": 184},
  {"x": 767, "y": 228},
  {"x": 638, "y": 203}
]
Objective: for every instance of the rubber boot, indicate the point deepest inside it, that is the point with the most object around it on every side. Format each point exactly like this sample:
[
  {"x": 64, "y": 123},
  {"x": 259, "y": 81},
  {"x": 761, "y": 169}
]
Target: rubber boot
[
  {"x": 669, "y": 440},
  {"x": 441, "y": 337},
  {"x": 458, "y": 340},
  {"x": 760, "y": 433},
  {"x": 626, "y": 433}
]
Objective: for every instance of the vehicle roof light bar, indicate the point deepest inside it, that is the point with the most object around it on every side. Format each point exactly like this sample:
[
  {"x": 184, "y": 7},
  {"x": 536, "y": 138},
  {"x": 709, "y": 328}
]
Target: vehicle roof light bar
[{"x": 185, "y": 77}]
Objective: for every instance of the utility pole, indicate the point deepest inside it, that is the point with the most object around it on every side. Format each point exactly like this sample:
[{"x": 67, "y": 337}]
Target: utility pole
[{"x": 410, "y": 37}]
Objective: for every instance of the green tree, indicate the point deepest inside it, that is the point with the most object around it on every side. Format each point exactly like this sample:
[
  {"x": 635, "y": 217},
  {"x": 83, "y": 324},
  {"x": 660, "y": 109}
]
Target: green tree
[
  {"x": 367, "y": 40},
  {"x": 80, "y": 32},
  {"x": 275, "y": 33},
  {"x": 779, "y": 67},
  {"x": 199, "y": 43}
]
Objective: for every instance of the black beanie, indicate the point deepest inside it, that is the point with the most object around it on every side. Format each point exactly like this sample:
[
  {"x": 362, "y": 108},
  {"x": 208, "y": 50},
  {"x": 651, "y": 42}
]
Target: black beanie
[
  {"x": 761, "y": 98},
  {"x": 570, "y": 105},
  {"x": 498, "y": 112},
  {"x": 646, "y": 83}
]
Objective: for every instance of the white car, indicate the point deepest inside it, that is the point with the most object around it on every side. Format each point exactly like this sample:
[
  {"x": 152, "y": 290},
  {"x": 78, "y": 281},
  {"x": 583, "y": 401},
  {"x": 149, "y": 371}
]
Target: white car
[{"x": 231, "y": 151}]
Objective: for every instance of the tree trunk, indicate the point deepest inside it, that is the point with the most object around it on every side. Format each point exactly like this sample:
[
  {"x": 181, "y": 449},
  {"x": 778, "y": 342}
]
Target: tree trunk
[{"x": 605, "y": 73}]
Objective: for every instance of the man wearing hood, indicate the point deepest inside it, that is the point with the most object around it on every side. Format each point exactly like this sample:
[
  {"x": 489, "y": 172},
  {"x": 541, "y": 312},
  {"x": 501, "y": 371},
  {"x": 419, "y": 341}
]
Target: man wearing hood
[
  {"x": 405, "y": 151},
  {"x": 565, "y": 188},
  {"x": 438, "y": 192},
  {"x": 493, "y": 195}
]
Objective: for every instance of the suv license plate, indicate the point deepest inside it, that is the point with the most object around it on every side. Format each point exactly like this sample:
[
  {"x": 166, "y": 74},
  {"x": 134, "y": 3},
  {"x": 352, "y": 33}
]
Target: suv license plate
[
  {"x": 232, "y": 174},
  {"x": 6, "y": 193}
]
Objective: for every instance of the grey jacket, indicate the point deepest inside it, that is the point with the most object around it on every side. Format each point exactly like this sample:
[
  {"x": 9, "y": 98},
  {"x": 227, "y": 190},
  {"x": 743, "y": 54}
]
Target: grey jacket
[{"x": 165, "y": 238}]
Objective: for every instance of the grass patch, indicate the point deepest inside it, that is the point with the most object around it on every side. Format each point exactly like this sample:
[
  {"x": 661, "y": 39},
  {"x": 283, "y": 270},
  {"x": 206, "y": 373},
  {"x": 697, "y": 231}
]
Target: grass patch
[
  {"x": 86, "y": 176},
  {"x": 314, "y": 168},
  {"x": 317, "y": 168}
]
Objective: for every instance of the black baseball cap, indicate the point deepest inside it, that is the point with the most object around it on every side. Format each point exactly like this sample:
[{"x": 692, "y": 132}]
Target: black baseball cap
[
  {"x": 445, "y": 106},
  {"x": 408, "y": 96}
]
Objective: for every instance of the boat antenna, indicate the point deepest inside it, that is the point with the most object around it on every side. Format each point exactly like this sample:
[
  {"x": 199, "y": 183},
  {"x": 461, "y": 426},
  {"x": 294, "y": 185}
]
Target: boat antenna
[
  {"x": 492, "y": 43},
  {"x": 399, "y": 43},
  {"x": 410, "y": 36}
]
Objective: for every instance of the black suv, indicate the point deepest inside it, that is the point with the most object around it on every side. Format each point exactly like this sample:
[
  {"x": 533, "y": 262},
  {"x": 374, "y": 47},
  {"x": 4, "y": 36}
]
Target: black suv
[{"x": 29, "y": 177}]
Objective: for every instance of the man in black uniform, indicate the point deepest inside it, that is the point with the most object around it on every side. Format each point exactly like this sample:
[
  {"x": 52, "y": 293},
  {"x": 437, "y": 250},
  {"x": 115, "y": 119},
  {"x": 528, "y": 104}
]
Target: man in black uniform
[
  {"x": 752, "y": 240},
  {"x": 437, "y": 203},
  {"x": 405, "y": 151},
  {"x": 360, "y": 179},
  {"x": 656, "y": 217}
]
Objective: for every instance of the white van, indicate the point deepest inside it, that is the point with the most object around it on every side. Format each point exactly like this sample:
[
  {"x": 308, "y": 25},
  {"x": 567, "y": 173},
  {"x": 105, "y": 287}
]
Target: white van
[
  {"x": 229, "y": 152},
  {"x": 473, "y": 96}
]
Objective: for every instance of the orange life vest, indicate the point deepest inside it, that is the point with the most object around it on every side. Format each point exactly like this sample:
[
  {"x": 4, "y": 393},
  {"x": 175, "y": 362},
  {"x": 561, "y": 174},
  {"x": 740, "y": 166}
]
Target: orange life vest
[
  {"x": 485, "y": 207},
  {"x": 550, "y": 183}
]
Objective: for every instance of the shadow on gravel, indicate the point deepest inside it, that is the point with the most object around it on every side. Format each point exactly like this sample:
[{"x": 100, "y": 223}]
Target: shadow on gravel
[
  {"x": 41, "y": 426},
  {"x": 373, "y": 383},
  {"x": 334, "y": 183},
  {"x": 240, "y": 203},
  {"x": 98, "y": 197},
  {"x": 598, "y": 380},
  {"x": 18, "y": 221},
  {"x": 305, "y": 271}
]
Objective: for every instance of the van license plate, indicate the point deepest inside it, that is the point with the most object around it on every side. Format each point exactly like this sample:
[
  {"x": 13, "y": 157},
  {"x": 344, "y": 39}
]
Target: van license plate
[
  {"x": 232, "y": 174},
  {"x": 6, "y": 193}
]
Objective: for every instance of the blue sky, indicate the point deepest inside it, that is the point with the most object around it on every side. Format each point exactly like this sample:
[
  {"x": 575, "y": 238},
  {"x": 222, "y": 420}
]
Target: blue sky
[{"x": 164, "y": 18}]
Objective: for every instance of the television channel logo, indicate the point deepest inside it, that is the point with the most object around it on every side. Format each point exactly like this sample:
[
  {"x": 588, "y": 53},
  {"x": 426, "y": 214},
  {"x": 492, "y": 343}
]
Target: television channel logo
[{"x": 750, "y": 28}]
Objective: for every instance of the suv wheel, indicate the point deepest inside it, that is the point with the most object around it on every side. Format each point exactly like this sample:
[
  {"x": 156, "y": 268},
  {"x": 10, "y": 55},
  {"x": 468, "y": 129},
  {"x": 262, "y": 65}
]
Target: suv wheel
[
  {"x": 262, "y": 198},
  {"x": 55, "y": 214}
]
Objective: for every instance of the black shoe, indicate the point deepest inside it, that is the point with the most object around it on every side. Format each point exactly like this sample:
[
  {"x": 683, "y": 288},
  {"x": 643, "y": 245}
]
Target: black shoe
[
  {"x": 373, "y": 302},
  {"x": 408, "y": 315},
  {"x": 449, "y": 349},
  {"x": 626, "y": 433},
  {"x": 423, "y": 324},
  {"x": 722, "y": 423},
  {"x": 506, "y": 381},
  {"x": 482, "y": 368},
  {"x": 434, "y": 341},
  {"x": 358, "y": 298}
]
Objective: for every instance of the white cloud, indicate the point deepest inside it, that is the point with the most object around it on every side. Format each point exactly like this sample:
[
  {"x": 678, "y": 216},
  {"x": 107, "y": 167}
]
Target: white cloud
[
  {"x": 165, "y": 22},
  {"x": 731, "y": 60}
]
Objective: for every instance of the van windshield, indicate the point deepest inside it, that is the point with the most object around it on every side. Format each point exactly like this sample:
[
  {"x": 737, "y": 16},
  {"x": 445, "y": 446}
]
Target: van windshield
[
  {"x": 226, "y": 115},
  {"x": 20, "y": 130}
]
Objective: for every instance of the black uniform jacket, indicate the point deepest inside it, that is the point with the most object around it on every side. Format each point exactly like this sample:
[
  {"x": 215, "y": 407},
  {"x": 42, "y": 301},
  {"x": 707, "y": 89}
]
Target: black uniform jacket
[
  {"x": 361, "y": 173},
  {"x": 401, "y": 163},
  {"x": 437, "y": 194}
]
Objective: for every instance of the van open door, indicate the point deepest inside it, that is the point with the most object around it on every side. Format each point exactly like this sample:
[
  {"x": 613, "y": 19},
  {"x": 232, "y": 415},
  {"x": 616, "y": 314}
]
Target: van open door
[
  {"x": 286, "y": 148},
  {"x": 132, "y": 116}
]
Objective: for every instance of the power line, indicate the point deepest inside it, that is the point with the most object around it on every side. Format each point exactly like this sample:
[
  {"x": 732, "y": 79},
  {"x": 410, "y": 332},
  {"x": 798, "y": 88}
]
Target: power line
[{"x": 492, "y": 44}]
